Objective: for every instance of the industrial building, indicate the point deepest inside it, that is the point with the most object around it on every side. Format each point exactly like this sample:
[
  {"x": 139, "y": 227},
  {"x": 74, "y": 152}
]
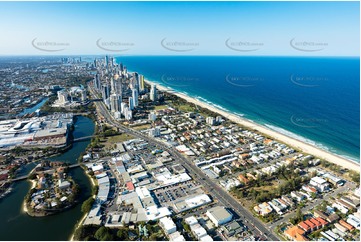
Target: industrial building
[{"x": 219, "y": 215}]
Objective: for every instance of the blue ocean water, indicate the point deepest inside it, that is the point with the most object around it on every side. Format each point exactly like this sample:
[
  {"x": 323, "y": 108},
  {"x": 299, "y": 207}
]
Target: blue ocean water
[{"x": 315, "y": 99}]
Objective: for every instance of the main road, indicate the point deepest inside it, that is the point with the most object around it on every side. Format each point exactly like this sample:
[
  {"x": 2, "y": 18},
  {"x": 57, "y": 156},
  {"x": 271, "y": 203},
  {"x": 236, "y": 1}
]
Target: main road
[{"x": 253, "y": 224}]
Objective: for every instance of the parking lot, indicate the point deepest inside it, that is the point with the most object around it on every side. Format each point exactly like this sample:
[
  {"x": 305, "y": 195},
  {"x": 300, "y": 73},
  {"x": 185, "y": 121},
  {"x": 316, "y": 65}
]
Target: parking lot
[{"x": 167, "y": 195}]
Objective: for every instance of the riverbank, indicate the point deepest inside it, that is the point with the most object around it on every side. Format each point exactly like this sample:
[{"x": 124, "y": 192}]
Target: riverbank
[
  {"x": 25, "y": 207},
  {"x": 80, "y": 223},
  {"x": 47, "y": 228},
  {"x": 91, "y": 179},
  {"x": 297, "y": 144}
]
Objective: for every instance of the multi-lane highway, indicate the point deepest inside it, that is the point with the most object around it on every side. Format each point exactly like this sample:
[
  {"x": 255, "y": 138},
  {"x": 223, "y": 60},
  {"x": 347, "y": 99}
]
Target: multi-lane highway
[{"x": 253, "y": 224}]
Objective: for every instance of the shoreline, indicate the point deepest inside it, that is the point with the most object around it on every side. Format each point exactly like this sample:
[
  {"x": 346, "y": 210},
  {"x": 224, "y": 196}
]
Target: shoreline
[
  {"x": 33, "y": 185},
  {"x": 80, "y": 223},
  {"x": 248, "y": 124},
  {"x": 78, "y": 226}
]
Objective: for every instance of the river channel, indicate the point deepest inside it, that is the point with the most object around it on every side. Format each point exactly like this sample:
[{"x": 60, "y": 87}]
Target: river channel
[{"x": 17, "y": 225}]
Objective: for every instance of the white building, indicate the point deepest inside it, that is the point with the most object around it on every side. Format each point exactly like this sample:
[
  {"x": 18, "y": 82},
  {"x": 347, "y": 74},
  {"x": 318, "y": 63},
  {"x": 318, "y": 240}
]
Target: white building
[
  {"x": 63, "y": 184},
  {"x": 219, "y": 215},
  {"x": 83, "y": 95},
  {"x": 135, "y": 97},
  {"x": 141, "y": 83},
  {"x": 62, "y": 97},
  {"x": 263, "y": 208},
  {"x": 341, "y": 208},
  {"x": 354, "y": 221},
  {"x": 198, "y": 231},
  {"x": 191, "y": 202},
  {"x": 105, "y": 91},
  {"x": 117, "y": 115},
  {"x": 357, "y": 192},
  {"x": 155, "y": 132},
  {"x": 210, "y": 120},
  {"x": 152, "y": 116},
  {"x": 176, "y": 236},
  {"x": 154, "y": 213},
  {"x": 206, "y": 238},
  {"x": 153, "y": 92},
  {"x": 115, "y": 103},
  {"x": 321, "y": 184},
  {"x": 168, "y": 225},
  {"x": 191, "y": 220},
  {"x": 127, "y": 113},
  {"x": 219, "y": 119},
  {"x": 131, "y": 103}
]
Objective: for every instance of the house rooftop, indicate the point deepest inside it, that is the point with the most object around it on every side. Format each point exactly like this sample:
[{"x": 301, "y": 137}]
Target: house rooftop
[
  {"x": 304, "y": 226},
  {"x": 296, "y": 233}
]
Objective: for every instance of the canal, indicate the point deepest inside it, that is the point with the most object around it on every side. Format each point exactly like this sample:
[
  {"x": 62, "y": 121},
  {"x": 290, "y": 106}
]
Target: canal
[
  {"x": 34, "y": 108},
  {"x": 17, "y": 225}
]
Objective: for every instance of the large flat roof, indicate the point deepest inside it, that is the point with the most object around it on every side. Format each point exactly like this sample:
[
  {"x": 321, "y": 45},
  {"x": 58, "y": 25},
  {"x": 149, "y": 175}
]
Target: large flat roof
[
  {"x": 318, "y": 180},
  {"x": 167, "y": 223},
  {"x": 219, "y": 213}
]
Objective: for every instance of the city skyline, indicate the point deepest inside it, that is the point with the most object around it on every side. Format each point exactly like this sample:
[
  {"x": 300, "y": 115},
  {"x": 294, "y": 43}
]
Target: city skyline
[
  {"x": 181, "y": 28},
  {"x": 138, "y": 160}
]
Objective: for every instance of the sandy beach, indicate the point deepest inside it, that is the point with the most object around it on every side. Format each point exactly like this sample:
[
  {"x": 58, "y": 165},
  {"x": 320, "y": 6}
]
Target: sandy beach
[{"x": 307, "y": 148}]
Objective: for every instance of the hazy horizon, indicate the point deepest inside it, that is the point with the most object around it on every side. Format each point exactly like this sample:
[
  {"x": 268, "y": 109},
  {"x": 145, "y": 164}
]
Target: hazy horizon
[{"x": 180, "y": 28}]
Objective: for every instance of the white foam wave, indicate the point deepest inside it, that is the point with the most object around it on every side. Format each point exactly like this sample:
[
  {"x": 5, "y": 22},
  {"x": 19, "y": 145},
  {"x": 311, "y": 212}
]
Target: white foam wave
[{"x": 308, "y": 141}]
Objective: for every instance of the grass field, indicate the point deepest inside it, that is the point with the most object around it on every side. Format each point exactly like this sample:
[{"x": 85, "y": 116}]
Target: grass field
[
  {"x": 191, "y": 108},
  {"x": 160, "y": 107},
  {"x": 250, "y": 203},
  {"x": 110, "y": 141},
  {"x": 141, "y": 127},
  {"x": 271, "y": 187},
  {"x": 186, "y": 108}
]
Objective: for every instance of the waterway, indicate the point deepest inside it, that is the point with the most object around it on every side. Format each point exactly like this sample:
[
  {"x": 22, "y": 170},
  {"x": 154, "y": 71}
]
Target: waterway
[
  {"x": 17, "y": 225},
  {"x": 34, "y": 108}
]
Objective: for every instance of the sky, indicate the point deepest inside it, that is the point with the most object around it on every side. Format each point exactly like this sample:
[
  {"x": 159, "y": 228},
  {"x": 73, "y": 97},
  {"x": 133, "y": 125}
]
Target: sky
[{"x": 180, "y": 28}]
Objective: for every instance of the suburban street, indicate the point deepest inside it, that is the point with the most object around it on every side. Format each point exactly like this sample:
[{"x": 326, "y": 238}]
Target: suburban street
[
  {"x": 314, "y": 203},
  {"x": 253, "y": 224}
]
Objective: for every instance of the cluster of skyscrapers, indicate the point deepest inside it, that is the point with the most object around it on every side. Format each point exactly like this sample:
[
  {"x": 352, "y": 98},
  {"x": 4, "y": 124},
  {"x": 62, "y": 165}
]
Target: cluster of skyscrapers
[
  {"x": 120, "y": 89},
  {"x": 67, "y": 96}
]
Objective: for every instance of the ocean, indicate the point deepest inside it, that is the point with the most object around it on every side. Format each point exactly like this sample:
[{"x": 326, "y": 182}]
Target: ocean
[{"x": 314, "y": 99}]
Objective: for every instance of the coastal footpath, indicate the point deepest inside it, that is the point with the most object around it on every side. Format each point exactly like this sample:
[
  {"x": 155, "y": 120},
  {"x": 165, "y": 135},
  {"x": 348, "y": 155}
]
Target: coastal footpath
[{"x": 297, "y": 144}]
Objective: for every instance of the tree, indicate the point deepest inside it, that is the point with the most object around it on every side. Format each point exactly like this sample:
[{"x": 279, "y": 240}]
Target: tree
[
  {"x": 85, "y": 232},
  {"x": 122, "y": 234},
  {"x": 103, "y": 234},
  {"x": 313, "y": 173},
  {"x": 108, "y": 237},
  {"x": 186, "y": 226},
  {"x": 263, "y": 196},
  {"x": 153, "y": 237},
  {"x": 95, "y": 189},
  {"x": 254, "y": 194},
  {"x": 87, "y": 205},
  {"x": 32, "y": 176},
  {"x": 76, "y": 189},
  {"x": 355, "y": 176},
  {"x": 80, "y": 233},
  {"x": 299, "y": 215},
  {"x": 293, "y": 220}
]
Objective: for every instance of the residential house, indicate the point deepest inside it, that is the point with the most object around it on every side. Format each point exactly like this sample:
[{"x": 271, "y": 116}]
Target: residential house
[{"x": 294, "y": 233}]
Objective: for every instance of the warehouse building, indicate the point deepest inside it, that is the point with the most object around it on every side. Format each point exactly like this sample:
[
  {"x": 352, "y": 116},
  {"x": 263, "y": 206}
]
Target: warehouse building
[{"x": 219, "y": 215}]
